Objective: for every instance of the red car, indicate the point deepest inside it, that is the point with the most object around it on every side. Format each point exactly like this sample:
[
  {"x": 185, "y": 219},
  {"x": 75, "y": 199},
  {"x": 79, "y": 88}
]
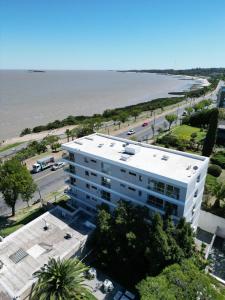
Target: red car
[{"x": 145, "y": 124}]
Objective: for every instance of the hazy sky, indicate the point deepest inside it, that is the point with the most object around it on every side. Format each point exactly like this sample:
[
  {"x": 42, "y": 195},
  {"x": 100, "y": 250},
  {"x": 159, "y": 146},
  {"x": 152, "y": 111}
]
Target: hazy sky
[{"x": 111, "y": 34}]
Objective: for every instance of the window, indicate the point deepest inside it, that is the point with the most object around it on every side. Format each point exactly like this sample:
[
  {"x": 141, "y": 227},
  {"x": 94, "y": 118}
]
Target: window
[
  {"x": 196, "y": 194},
  {"x": 140, "y": 178},
  {"x": 86, "y": 173},
  {"x": 172, "y": 191},
  {"x": 122, "y": 171},
  {"x": 106, "y": 182},
  {"x": 156, "y": 186},
  {"x": 72, "y": 169},
  {"x": 93, "y": 174},
  {"x": 198, "y": 178},
  {"x": 87, "y": 185},
  {"x": 132, "y": 189},
  {"x": 106, "y": 195},
  {"x": 106, "y": 168},
  {"x": 123, "y": 185},
  {"x": 72, "y": 180},
  {"x": 131, "y": 173},
  {"x": 140, "y": 193},
  {"x": 171, "y": 208},
  {"x": 71, "y": 156},
  {"x": 94, "y": 199},
  {"x": 85, "y": 160},
  {"x": 94, "y": 187},
  {"x": 154, "y": 201},
  {"x": 88, "y": 197},
  {"x": 93, "y": 160}
]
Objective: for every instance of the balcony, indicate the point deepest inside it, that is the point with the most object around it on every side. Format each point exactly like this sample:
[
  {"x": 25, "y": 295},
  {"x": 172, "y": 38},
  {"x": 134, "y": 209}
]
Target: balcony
[{"x": 69, "y": 157}]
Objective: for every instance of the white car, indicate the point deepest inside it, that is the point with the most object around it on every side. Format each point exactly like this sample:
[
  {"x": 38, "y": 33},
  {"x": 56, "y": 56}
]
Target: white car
[
  {"x": 130, "y": 132},
  {"x": 58, "y": 165}
]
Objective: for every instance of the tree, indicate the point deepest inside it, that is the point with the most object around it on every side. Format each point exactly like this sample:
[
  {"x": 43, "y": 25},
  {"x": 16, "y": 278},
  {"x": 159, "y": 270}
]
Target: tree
[
  {"x": 219, "y": 193},
  {"x": 135, "y": 113},
  {"x": 123, "y": 117},
  {"x": 184, "y": 281},
  {"x": 15, "y": 181},
  {"x": 55, "y": 146},
  {"x": 170, "y": 119},
  {"x": 60, "y": 280},
  {"x": 68, "y": 134},
  {"x": 210, "y": 138},
  {"x": 189, "y": 110}
]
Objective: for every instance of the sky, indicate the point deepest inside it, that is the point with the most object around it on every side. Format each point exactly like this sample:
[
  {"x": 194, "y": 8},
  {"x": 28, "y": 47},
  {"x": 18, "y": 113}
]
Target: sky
[{"x": 111, "y": 34}]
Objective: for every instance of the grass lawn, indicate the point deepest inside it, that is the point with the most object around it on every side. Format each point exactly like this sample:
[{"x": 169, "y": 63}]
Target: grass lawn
[
  {"x": 7, "y": 147},
  {"x": 22, "y": 217},
  {"x": 184, "y": 132},
  {"x": 211, "y": 181}
]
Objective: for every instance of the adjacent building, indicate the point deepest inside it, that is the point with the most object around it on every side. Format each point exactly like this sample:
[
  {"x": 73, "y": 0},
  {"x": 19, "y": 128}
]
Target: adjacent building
[
  {"x": 221, "y": 97},
  {"x": 106, "y": 169}
]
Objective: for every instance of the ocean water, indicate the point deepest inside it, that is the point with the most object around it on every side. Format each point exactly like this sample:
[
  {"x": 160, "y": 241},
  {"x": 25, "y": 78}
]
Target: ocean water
[{"x": 28, "y": 99}]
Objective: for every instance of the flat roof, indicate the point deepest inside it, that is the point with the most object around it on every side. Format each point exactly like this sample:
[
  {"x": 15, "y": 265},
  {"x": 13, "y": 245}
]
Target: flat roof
[
  {"x": 168, "y": 163},
  {"x": 29, "y": 248}
]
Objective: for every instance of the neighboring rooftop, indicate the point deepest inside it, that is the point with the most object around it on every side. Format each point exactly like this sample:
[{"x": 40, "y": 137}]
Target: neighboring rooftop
[
  {"x": 29, "y": 248},
  {"x": 179, "y": 166}
]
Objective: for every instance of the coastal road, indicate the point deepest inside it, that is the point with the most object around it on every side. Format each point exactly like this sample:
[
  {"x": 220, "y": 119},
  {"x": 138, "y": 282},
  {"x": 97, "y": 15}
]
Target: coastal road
[{"x": 48, "y": 181}]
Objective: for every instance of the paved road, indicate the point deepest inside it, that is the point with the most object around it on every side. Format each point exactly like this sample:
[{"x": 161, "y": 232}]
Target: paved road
[{"x": 48, "y": 181}]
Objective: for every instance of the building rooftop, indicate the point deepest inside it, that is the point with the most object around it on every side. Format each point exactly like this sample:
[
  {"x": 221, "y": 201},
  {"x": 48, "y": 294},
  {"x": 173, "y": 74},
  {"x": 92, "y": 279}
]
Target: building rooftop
[
  {"x": 29, "y": 248},
  {"x": 168, "y": 163}
]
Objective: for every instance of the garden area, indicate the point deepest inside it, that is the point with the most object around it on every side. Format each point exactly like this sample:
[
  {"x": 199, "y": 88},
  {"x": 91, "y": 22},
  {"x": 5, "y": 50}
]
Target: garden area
[{"x": 183, "y": 138}]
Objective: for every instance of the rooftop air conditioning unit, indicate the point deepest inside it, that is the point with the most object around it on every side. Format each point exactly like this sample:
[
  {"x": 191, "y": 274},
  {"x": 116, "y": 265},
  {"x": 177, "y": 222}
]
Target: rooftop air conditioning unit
[{"x": 130, "y": 150}]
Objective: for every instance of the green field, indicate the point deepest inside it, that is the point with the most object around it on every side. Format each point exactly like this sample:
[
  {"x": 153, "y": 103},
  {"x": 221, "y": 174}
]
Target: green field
[
  {"x": 7, "y": 147},
  {"x": 21, "y": 218},
  {"x": 184, "y": 132}
]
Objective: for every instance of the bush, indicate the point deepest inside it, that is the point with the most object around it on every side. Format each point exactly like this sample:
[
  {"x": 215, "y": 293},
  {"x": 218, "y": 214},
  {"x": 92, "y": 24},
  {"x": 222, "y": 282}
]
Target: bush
[
  {"x": 219, "y": 159},
  {"x": 214, "y": 170}
]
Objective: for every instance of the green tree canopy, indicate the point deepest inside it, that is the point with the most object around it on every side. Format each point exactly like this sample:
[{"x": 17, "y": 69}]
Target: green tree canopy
[
  {"x": 15, "y": 181},
  {"x": 184, "y": 282},
  {"x": 170, "y": 119}
]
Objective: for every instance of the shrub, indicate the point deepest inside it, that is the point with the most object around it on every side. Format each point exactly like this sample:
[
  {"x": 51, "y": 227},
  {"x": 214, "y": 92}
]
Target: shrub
[
  {"x": 219, "y": 159},
  {"x": 214, "y": 170}
]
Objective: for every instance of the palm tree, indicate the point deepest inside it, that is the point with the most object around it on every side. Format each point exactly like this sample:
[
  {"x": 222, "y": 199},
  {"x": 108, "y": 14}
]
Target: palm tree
[
  {"x": 219, "y": 193},
  {"x": 68, "y": 134},
  {"x": 60, "y": 280}
]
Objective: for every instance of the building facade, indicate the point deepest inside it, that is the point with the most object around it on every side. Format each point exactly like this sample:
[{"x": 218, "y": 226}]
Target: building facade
[
  {"x": 106, "y": 169},
  {"x": 221, "y": 97}
]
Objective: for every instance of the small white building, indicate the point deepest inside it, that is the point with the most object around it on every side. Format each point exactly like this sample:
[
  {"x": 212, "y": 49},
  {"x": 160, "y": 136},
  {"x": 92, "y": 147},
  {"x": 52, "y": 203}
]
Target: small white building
[{"x": 106, "y": 169}]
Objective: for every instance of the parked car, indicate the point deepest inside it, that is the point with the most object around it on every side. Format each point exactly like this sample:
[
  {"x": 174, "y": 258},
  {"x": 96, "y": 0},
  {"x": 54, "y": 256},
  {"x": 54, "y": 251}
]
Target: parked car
[
  {"x": 130, "y": 132},
  {"x": 145, "y": 124},
  {"x": 57, "y": 165}
]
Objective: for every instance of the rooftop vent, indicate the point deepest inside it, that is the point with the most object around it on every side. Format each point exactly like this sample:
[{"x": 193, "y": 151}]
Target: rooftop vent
[
  {"x": 124, "y": 157},
  {"x": 77, "y": 142},
  {"x": 112, "y": 144},
  {"x": 188, "y": 167},
  {"x": 195, "y": 167},
  {"x": 100, "y": 145},
  {"x": 154, "y": 155},
  {"x": 130, "y": 150},
  {"x": 89, "y": 138},
  {"x": 165, "y": 157}
]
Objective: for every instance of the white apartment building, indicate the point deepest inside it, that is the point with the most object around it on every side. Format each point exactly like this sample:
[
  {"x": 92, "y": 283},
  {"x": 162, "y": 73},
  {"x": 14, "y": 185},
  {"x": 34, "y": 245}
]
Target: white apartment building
[{"x": 106, "y": 169}]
